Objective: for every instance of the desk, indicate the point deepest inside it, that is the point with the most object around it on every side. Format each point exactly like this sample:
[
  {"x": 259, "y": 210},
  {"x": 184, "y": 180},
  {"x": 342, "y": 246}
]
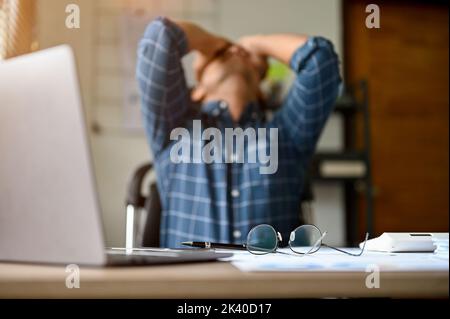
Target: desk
[{"x": 211, "y": 280}]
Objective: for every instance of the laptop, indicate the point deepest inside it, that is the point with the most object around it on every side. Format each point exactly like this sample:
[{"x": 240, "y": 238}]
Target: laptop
[{"x": 49, "y": 207}]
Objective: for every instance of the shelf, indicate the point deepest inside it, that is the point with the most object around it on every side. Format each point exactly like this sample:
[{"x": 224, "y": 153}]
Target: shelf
[
  {"x": 347, "y": 105},
  {"x": 339, "y": 167}
]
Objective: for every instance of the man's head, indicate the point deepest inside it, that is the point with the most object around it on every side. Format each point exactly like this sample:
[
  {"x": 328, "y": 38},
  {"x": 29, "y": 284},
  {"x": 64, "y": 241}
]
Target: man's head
[{"x": 231, "y": 68}]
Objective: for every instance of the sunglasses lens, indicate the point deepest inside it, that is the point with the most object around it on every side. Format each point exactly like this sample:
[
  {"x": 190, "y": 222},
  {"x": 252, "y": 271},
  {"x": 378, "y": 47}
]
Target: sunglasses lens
[
  {"x": 262, "y": 239},
  {"x": 305, "y": 239}
]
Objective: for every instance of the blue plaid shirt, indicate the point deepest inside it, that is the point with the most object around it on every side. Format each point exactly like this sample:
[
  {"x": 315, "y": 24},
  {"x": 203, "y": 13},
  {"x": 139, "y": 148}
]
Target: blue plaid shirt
[{"x": 221, "y": 202}]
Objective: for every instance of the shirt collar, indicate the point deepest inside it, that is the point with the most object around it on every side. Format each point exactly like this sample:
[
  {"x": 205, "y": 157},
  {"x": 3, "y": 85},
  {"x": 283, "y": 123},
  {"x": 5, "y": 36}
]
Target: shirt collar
[{"x": 219, "y": 109}]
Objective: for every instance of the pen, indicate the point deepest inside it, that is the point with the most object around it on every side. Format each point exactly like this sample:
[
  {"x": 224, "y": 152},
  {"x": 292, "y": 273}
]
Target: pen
[{"x": 202, "y": 244}]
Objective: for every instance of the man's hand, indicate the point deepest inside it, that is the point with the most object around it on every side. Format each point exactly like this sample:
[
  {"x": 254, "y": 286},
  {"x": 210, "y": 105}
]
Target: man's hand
[
  {"x": 257, "y": 56},
  {"x": 204, "y": 43},
  {"x": 278, "y": 46},
  {"x": 201, "y": 40},
  {"x": 251, "y": 44}
]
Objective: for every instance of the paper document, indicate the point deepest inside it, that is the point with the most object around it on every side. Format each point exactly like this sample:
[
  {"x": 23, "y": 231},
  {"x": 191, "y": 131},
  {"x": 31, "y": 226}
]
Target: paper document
[{"x": 327, "y": 259}]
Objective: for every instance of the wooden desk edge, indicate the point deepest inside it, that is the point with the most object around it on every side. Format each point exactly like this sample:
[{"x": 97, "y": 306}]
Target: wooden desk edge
[{"x": 212, "y": 280}]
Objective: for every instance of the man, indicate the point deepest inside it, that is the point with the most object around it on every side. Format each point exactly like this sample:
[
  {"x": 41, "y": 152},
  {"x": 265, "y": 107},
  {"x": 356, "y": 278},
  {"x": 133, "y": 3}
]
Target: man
[{"x": 222, "y": 201}]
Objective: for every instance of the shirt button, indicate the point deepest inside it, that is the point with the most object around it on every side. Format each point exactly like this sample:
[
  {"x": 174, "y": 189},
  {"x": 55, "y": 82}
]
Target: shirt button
[
  {"x": 237, "y": 234},
  {"x": 223, "y": 105},
  {"x": 215, "y": 112},
  {"x": 231, "y": 158},
  {"x": 234, "y": 193}
]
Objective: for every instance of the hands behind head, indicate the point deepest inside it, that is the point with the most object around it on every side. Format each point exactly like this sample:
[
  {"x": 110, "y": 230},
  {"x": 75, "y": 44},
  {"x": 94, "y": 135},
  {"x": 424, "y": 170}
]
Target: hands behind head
[
  {"x": 214, "y": 48},
  {"x": 251, "y": 44},
  {"x": 246, "y": 48},
  {"x": 257, "y": 57}
]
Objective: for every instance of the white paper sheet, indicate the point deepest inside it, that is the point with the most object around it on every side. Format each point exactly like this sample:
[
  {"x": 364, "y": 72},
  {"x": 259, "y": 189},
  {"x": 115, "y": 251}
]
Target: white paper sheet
[{"x": 328, "y": 260}]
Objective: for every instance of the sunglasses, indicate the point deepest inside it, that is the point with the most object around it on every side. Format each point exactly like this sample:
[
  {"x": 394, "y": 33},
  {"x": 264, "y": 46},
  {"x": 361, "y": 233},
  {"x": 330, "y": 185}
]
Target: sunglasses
[{"x": 304, "y": 240}]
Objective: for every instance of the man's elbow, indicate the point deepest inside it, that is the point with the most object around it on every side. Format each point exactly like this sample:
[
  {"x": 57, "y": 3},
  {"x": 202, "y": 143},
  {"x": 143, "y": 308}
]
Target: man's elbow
[
  {"x": 327, "y": 64},
  {"x": 156, "y": 28}
]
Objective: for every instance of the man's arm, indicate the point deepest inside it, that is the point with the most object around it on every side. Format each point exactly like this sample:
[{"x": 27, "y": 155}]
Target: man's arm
[
  {"x": 165, "y": 99},
  {"x": 314, "y": 91}
]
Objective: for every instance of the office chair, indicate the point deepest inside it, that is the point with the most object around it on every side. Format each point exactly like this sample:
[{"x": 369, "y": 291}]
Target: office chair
[{"x": 143, "y": 211}]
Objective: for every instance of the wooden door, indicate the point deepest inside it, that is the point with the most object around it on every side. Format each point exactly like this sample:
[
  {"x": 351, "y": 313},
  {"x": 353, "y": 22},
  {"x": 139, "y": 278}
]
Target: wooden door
[{"x": 406, "y": 65}]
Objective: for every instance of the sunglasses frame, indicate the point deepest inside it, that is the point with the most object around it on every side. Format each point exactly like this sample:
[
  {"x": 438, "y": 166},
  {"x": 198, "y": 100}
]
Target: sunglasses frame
[{"x": 319, "y": 243}]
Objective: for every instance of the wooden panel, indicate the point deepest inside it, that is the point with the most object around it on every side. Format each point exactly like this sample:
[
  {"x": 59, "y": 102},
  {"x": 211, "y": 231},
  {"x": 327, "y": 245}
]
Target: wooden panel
[{"x": 406, "y": 64}]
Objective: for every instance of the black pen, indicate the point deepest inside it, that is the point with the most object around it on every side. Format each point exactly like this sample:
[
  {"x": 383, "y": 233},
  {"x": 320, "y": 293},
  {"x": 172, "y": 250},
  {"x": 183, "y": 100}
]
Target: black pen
[{"x": 202, "y": 244}]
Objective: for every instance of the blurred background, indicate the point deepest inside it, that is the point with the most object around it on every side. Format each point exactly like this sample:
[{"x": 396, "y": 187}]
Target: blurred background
[{"x": 382, "y": 161}]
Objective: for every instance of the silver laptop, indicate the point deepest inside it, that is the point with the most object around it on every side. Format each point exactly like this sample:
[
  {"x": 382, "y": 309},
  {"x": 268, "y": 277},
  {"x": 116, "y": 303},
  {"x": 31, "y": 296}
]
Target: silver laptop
[{"x": 49, "y": 208}]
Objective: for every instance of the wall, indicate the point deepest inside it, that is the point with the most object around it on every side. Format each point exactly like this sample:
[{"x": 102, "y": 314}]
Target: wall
[{"x": 118, "y": 151}]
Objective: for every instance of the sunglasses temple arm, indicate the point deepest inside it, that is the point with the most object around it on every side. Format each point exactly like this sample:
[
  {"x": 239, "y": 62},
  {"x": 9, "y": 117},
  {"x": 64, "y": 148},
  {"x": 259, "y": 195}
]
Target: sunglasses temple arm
[{"x": 348, "y": 253}]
